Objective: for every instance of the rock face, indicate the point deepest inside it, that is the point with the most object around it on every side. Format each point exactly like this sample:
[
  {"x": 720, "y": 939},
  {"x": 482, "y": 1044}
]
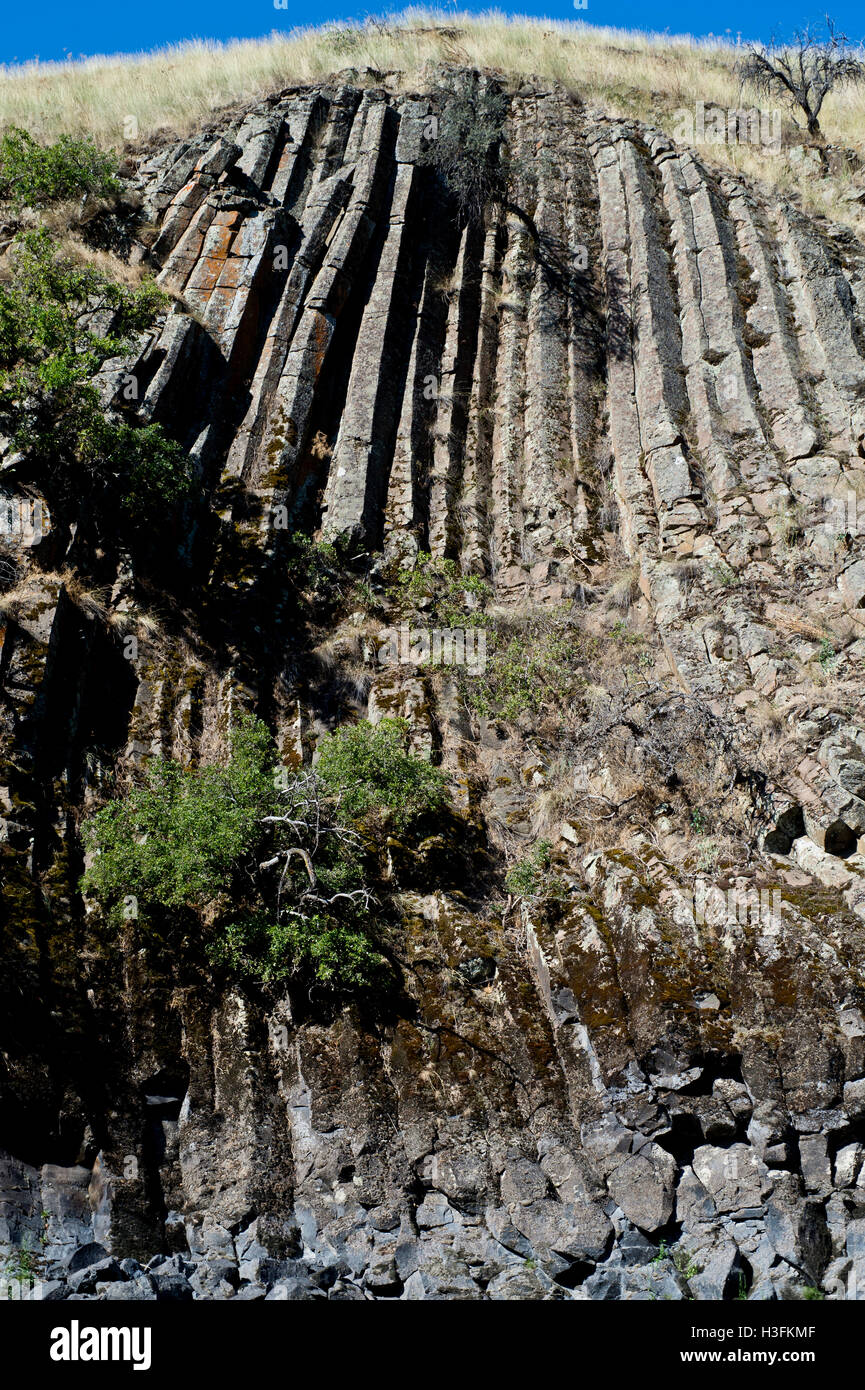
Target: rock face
[{"x": 634, "y": 376}]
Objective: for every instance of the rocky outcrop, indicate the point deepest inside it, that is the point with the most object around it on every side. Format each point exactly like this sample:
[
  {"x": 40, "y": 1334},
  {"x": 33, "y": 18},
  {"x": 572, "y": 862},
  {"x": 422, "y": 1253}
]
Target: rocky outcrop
[{"x": 638, "y": 388}]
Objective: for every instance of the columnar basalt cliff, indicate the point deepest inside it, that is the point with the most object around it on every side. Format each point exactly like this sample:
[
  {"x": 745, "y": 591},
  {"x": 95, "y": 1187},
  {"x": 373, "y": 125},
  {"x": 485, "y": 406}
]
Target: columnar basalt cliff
[{"x": 632, "y": 393}]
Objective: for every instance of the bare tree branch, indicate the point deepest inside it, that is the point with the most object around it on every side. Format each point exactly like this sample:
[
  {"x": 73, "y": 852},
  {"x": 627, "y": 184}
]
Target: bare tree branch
[{"x": 804, "y": 71}]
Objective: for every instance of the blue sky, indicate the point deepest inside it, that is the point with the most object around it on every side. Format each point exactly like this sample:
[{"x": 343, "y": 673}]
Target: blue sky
[{"x": 53, "y": 29}]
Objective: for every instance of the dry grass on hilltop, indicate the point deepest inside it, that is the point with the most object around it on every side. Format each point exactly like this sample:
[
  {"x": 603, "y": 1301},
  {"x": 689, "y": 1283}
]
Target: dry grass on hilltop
[{"x": 648, "y": 77}]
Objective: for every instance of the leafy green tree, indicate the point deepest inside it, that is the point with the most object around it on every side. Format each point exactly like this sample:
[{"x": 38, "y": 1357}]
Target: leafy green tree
[
  {"x": 337, "y": 954},
  {"x": 33, "y": 174},
  {"x": 141, "y": 463},
  {"x": 368, "y": 769},
  {"x": 180, "y": 838},
  {"x": 275, "y": 856},
  {"x": 59, "y": 323}
]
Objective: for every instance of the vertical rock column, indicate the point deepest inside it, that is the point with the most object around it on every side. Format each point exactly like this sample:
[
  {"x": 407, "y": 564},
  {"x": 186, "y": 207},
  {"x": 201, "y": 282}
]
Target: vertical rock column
[
  {"x": 327, "y": 296},
  {"x": 356, "y": 485},
  {"x": 509, "y": 430},
  {"x": 477, "y": 481},
  {"x": 637, "y": 504}
]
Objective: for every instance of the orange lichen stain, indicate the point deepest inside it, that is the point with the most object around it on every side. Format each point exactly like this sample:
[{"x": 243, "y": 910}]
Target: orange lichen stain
[
  {"x": 225, "y": 295},
  {"x": 219, "y": 306},
  {"x": 321, "y": 342},
  {"x": 177, "y": 200},
  {"x": 232, "y": 272},
  {"x": 288, "y": 154},
  {"x": 206, "y": 274},
  {"x": 192, "y": 240},
  {"x": 218, "y": 243}
]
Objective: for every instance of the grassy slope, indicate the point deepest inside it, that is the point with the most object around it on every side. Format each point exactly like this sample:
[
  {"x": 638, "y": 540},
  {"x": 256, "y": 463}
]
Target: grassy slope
[{"x": 643, "y": 76}]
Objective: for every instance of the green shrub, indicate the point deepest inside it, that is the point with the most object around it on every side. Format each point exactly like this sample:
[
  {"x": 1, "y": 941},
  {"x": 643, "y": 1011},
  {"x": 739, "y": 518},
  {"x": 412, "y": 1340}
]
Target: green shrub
[
  {"x": 621, "y": 633},
  {"x": 534, "y": 666},
  {"x": 144, "y": 466},
  {"x": 313, "y": 565},
  {"x": 21, "y": 1265},
  {"x": 178, "y": 839},
  {"x": 515, "y": 682},
  {"x": 685, "y": 1264},
  {"x": 826, "y": 655},
  {"x": 271, "y": 854},
  {"x": 530, "y": 877},
  {"x": 368, "y": 768},
  {"x": 53, "y": 340},
  {"x": 723, "y": 574},
  {"x": 33, "y": 174},
  {"x": 51, "y": 311},
  {"x": 452, "y": 598},
  {"x": 338, "y": 954}
]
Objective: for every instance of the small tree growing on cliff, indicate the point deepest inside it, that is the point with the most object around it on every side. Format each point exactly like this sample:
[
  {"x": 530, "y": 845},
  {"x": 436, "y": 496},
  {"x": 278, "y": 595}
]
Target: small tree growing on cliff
[
  {"x": 803, "y": 72},
  {"x": 277, "y": 858}
]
